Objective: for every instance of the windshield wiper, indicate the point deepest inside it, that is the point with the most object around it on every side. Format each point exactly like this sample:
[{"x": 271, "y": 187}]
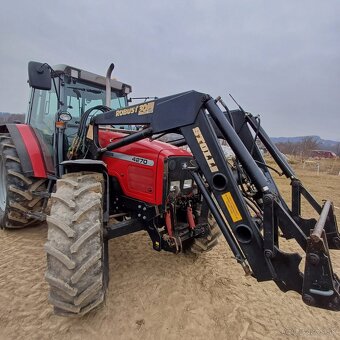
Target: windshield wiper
[{"x": 85, "y": 90}]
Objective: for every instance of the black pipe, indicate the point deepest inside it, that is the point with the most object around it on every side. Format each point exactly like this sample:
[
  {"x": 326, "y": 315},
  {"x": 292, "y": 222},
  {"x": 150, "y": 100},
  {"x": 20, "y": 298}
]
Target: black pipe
[
  {"x": 226, "y": 232},
  {"x": 128, "y": 140},
  {"x": 237, "y": 145},
  {"x": 179, "y": 142},
  {"x": 272, "y": 148},
  {"x": 60, "y": 151},
  {"x": 320, "y": 224}
]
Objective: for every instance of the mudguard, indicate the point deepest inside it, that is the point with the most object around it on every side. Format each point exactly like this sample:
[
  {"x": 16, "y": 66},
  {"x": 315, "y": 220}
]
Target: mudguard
[
  {"x": 28, "y": 149},
  {"x": 84, "y": 165}
]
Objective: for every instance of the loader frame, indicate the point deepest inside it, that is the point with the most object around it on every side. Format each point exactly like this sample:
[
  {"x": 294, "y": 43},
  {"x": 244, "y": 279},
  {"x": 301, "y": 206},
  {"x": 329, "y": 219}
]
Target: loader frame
[{"x": 198, "y": 118}]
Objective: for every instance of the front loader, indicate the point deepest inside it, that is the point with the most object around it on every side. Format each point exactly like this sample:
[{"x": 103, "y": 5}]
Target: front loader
[{"x": 108, "y": 182}]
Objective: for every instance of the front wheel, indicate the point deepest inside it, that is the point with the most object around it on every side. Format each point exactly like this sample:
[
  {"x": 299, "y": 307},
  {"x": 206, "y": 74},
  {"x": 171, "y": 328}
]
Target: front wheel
[
  {"x": 206, "y": 242},
  {"x": 75, "y": 265}
]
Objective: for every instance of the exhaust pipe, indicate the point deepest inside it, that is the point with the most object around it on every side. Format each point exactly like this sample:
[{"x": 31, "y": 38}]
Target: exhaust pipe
[{"x": 108, "y": 85}]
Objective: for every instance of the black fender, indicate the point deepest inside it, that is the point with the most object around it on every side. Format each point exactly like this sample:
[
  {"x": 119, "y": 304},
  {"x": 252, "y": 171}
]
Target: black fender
[
  {"x": 93, "y": 166},
  {"x": 84, "y": 165}
]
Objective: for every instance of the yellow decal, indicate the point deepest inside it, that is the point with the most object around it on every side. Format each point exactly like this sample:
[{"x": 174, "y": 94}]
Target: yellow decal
[
  {"x": 204, "y": 147},
  {"x": 127, "y": 111},
  {"x": 142, "y": 109},
  {"x": 145, "y": 109},
  {"x": 232, "y": 207},
  {"x": 89, "y": 134}
]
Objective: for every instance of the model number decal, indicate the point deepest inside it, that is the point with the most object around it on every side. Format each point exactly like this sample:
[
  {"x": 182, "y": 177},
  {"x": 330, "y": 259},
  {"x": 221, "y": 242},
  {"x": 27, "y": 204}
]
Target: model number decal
[
  {"x": 140, "y": 160},
  {"x": 129, "y": 158}
]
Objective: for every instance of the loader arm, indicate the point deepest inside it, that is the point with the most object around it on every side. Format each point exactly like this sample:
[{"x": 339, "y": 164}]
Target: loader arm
[{"x": 254, "y": 240}]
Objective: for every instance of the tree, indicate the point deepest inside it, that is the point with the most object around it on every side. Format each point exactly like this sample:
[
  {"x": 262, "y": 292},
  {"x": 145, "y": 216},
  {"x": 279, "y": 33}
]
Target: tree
[
  {"x": 288, "y": 148},
  {"x": 308, "y": 144}
]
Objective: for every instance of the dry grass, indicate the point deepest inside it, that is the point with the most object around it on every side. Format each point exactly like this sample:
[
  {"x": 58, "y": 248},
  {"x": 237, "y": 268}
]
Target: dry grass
[{"x": 328, "y": 166}]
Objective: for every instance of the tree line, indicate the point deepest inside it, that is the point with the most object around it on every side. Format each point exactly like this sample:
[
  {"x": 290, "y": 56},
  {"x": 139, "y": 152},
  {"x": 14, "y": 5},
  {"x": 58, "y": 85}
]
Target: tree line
[
  {"x": 12, "y": 117},
  {"x": 305, "y": 147}
]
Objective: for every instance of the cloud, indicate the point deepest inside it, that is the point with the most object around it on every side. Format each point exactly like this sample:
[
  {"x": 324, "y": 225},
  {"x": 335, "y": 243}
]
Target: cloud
[{"x": 280, "y": 59}]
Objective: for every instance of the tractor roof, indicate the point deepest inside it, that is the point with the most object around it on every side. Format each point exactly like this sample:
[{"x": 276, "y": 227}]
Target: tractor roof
[{"x": 90, "y": 77}]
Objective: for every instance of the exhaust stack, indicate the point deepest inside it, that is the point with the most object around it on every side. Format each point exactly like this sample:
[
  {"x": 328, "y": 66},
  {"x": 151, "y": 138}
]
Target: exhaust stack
[{"x": 108, "y": 85}]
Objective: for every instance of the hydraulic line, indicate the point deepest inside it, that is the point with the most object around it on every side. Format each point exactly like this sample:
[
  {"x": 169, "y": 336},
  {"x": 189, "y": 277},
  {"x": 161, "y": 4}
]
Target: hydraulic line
[{"x": 238, "y": 147}]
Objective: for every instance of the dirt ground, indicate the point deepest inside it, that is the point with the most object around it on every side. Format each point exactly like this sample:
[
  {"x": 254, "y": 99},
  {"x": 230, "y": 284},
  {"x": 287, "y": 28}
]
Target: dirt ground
[{"x": 160, "y": 295}]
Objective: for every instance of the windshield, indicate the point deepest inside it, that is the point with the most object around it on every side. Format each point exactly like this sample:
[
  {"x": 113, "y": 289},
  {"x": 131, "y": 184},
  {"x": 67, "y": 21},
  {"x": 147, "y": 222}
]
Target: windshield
[
  {"x": 76, "y": 97},
  {"x": 79, "y": 97}
]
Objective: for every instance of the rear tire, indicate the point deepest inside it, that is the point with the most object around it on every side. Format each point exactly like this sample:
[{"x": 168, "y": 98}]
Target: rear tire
[
  {"x": 207, "y": 242},
  {"x": 75, "y": 266},
  {"x": 16, "y": 198}
]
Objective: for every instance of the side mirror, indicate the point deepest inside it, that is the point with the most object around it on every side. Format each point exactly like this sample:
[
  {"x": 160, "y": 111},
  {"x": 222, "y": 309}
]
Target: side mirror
[{"x": 39, "y": 75}]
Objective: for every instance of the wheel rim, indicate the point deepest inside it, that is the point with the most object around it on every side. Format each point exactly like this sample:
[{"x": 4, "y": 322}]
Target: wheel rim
[{"x": 3, "y": 185}]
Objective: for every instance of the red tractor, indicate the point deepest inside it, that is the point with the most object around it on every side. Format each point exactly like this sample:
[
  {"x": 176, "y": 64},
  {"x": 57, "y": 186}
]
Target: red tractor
[{"x": 100, "y": 165}]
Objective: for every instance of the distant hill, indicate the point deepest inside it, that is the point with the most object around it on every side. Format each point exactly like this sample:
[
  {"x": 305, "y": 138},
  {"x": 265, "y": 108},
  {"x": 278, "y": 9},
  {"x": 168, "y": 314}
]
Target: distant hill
[
  {"x": 323, "y": 143},
  {"x": 6, "y": 117}
]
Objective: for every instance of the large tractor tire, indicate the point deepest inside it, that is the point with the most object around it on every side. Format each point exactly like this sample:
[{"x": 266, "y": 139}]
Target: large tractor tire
[
  {"x": 16, "y": 198},
  {"x": 207, "y": 242},
  {"x": 75, "y": 265}
]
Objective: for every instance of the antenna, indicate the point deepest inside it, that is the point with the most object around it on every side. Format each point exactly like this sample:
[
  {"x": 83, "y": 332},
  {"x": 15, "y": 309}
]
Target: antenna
[{"x": 239, "y": 106}]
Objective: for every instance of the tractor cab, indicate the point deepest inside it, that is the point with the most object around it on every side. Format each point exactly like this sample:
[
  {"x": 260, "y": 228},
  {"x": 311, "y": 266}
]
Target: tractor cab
[{"x": 64, "y": 93}]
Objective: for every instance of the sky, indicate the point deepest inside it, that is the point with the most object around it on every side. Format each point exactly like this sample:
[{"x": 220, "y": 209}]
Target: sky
[{"x": 279, "y": 59}]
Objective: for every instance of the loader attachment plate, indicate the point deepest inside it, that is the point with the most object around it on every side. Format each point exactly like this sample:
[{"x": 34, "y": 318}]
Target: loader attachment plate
[
  {"x": 286, "y": 273},
  {"x": 321, "y": 285}
]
